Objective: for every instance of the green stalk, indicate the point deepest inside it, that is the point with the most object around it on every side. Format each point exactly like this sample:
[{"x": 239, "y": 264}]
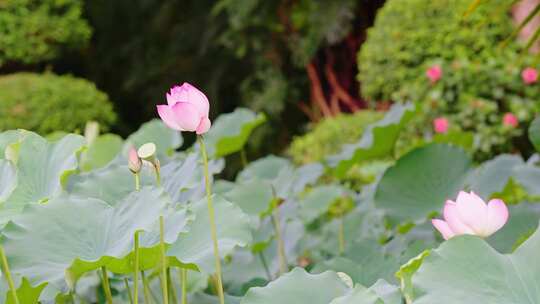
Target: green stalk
[
  {"x": 183, "y": 277},
  {"x": 137, "y": 181},
  {"x": 163, "y": 261},
  {"x": 146, "y": 289},
  {"x": 265, "y": 265},
  {"x": 136, "y": 269},
  {"x": 341, "y": 236},
  {"x": 211, "y": 216},
  {"x": 106, "y": 285},
  {"x": 281, "y": 245},
  {"x": 171, "y": 287},
  {"x": 128, "y": 290},
  {"x": 243, "y": 157},
  {"x": 7, "y": 273}
]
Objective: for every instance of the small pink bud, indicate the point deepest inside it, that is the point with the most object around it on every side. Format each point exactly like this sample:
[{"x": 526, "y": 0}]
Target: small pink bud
[
  {"x": 529, "y": 75},
  {"x": 440, "y": 125},
  {"x": 510, "y": 120},
  {"x": 469, "y": 214},
  {"x": 186, "y": 109},
  {"x": 434, "y": 73},
  {"x": 134, "y": 162}
]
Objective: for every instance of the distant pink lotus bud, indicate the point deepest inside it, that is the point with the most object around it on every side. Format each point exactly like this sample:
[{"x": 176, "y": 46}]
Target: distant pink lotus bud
[
  {"x": 134, "y": 162},
  {"x": 469, "y": 214},
  {"x": 529, "y": 75},
  {"x": 186, "y": 109},
  {"x": 440, "y": 125},
  {"x": 434, "y": 73},
  {"x": 510, "y": 120}
]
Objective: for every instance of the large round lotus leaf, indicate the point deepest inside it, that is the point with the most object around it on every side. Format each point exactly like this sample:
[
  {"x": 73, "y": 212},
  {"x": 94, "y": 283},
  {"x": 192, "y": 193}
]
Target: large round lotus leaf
[
  {"x": 466, "y": 269},
  {"x": 196, "y": 246},
  {"x": 9, "y": 137},
  {"x": 230, "y": 132},
  {"x": 421, "y": 181},
  {"x": 59, "y": 241},
  {"x": 101, "y": 152},
  {"x": 318, "y": 201},
  {"x": 8, "y": 178},
  {"x": 298, "y": 287},
  {"x": 253, "y": 196},
  {"x": 492, "y": 176},
  {"x": 42, "y": 168},
  {"x": 359, "y": 295},
  {"x": 378, "y": 140},
  {"x": 167, "y": 140},
  {"x": 522, "y": 223}
]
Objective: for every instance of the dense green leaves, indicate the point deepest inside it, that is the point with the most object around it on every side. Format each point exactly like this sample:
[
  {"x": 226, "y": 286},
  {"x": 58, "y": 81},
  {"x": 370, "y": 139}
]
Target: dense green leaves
[
  {"x": 378, "y": 140},
  {"x": 421, "y": 181},
  {"x": 534, "y": 133}
]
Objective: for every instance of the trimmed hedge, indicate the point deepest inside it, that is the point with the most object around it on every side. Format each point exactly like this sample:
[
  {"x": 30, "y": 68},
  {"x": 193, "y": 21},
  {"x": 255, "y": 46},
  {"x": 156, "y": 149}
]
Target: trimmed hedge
[{"x": 45, "y": 103}]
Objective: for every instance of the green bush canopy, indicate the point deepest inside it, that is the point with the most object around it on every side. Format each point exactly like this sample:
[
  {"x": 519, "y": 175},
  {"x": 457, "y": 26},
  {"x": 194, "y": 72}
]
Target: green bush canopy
[
  {"x": 33, "y": 31},
  {"x": 46, "y": 102}
]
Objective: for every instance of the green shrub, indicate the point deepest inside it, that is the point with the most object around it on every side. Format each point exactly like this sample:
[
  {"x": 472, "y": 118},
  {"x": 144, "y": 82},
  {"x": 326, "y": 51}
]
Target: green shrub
[
  {"x": 46, "y": 103},
  {"x": 33, "y": 31},
  {"x": 328, "y": 136},
  {"x": 480, "y": 81}
]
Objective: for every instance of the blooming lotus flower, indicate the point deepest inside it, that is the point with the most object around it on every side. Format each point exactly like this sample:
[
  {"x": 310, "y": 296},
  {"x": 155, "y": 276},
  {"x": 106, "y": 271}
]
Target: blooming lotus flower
[
  {"x": 469, "y": 214},
  {"x": 440, "y": 125},
  {"x": 134, "y": 162},
  {"x": 529, "y": 75},
  {"x": 186, "y": 109},
  {"x": 510, "y": 120},
  {"x": 434, "y": 73}
]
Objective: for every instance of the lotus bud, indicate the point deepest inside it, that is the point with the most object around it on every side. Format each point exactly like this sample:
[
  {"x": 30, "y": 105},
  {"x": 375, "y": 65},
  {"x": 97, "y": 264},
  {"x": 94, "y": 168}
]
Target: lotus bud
[{"x": 134, "y": 162}]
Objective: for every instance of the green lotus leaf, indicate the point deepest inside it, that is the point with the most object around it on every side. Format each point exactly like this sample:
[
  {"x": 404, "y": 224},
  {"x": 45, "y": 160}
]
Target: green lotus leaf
[
  {"x": 59, "y": 241},
  {"x": 101, "y": 151},
  {"x": 466, "y": 269},
  {"x": 523, "y": 221},
  {"x": 378, "y": 140},
  {"x": 318, "y": 201},
  {"x": 26, "y": 293},
  {"x": 232, "y": 227},
  {"x": 421, "y": 181},
  {"x": 167, "y": 140},
  {"x": 492, "y": 176},
  {"x": 42, "y": 170},
  {"x": 230, "y": 132},
  {"x": 9, "y": 137},
  {"x": 8, "y": 178},
  {"x": 253, "y": 196},
  {"x": 298, "y": 287},
  {"x": 359, "y": 295}
]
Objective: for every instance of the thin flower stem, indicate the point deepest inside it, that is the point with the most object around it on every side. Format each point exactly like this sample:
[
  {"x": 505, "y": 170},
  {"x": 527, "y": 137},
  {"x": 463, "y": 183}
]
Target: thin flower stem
[
  {"x": 137, "y": 181},
  {"x": 341, "y": 236},
  {"x": 211, "y": 216},
  {"x": 163, "y": 261},
  {"x": 281, "y": 245},
  {"x": 183, "y": 278},
  {"x": 243, "y": 157},
  {"x": 7, "y": 273},
  {"x": 128, "y": 290},
  {"x": 172, "y": 290},
  {"x": 146, "y": 289},
  {"x": 136, "y": 269},
  {"x": 265, "y": 265},
  {"x": 106, "y": 285}
]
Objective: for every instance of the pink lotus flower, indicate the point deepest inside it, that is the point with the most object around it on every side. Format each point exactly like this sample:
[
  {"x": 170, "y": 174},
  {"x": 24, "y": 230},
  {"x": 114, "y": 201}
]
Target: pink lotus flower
[
  {"x": 134, "y": 162},
  {"x": 186, "y": 109},
  {"x": 434, "y": 73},
  {"x": 510, "y": 120},
  {"x": 440, "y": 125},
  {"x": 469, "y": 214},
  {"x": 529, "y": 75}
]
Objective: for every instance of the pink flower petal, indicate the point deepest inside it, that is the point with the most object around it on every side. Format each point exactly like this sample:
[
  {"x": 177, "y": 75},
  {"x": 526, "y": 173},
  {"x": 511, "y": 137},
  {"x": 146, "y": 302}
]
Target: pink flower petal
[
  {"x": 451, "y": 216},
  {"x": 497, "y": 214},
  {"x": 204, "y": 126},
  {"x": 443, "y": 228},
  {"x": 168, "y": 117},
  {"x": 197, "y": 98},
  {"x": 472, "y": 211},
  {"x": 186, "y": 115}
]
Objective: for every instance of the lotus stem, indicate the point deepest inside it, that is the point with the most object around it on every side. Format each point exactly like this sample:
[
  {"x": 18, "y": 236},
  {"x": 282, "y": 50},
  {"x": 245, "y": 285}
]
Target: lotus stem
[
  {"x": 146, "y": 289},
  {"x": 265, "y": 265},
  {"x": 211, "y": 217},
  {"x": 183, "y": 278},
  {"x": 9, "y": 278},
  {"x": 106, "y": 285},
  {"x": 163, "y": 261},
  {"x": 243, "y": 157},
  {"x": 341, "y": 236},
  {"x": 137, "y": 181},
  {"x": 279, "y": 239},
  {"x": 172, "y": 289},
  {"x": 128, "y": 290},
  {"x": 136, "y": 268}
]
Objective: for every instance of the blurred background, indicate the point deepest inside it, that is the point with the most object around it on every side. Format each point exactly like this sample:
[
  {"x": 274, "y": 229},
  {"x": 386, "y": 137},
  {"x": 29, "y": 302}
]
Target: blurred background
[{"x": 320, "y": 70}]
